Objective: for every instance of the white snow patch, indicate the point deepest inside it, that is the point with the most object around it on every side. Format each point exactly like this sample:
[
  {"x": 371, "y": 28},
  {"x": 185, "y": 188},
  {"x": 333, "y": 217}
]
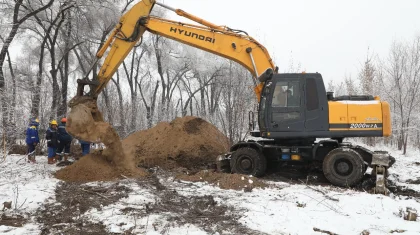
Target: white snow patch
[
  {"x": 406, "y": 167},
  {"x": 361, "y": 102},
  {"x": 27, "y": 186},
  {"x": 297, "y": 209}
]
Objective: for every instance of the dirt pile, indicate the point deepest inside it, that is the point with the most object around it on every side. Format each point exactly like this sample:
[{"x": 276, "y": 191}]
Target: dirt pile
[
  {"x": 95, "y": 167},
  {"x": 225, "y": 181},
  {"x": 187, "y": 142}
]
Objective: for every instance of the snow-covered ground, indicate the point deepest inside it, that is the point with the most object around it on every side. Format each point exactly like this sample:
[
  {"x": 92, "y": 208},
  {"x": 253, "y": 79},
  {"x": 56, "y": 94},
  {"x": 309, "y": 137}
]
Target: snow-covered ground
[
  {"x": 27, "y": 186},
  {"x": 406, "y": 167},
  {"x": 282, "y": 208}
]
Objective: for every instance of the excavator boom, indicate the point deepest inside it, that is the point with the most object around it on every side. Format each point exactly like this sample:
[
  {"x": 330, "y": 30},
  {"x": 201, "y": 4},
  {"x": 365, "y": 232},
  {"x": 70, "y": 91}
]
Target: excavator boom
[{"x": 222, "y": 41}]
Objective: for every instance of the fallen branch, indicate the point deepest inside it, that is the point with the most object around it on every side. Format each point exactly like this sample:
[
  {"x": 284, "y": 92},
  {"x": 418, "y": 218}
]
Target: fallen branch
[
  {"x": 397, "y": 231},
  {"x": 324, "y": 231},
  {"x": 320, "y": 191},
  {"x": 326, "y": 205},
  {"x": 87, "y": 191}
]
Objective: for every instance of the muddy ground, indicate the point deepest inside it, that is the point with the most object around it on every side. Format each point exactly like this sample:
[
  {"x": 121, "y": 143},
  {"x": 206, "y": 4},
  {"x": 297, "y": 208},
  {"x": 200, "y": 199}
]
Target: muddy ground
[{"x": 74, "y": 199}]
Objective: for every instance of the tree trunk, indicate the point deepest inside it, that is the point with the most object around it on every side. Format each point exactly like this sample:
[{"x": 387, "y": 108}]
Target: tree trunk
[
  {"x": 65, "y": 77},
  {"x": 37, "y": 89},
  {"x": 120, "y": 104},
  {"x": 12, "y": 110}
]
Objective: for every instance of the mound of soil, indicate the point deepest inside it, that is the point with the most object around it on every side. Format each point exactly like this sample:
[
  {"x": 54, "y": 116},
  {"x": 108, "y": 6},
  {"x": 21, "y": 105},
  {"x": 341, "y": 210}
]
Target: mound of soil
[
  {"x": 23, "y": 150},
  {"x": 95, "y": 167},
  {"x": 225, "y": 181},
  {"x": 188, "y": 142},
  {"x": 18, "y": 149}
]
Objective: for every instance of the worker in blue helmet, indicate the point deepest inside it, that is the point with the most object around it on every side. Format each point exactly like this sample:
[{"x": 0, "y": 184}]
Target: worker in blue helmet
[{"x": 32, "y": 138}]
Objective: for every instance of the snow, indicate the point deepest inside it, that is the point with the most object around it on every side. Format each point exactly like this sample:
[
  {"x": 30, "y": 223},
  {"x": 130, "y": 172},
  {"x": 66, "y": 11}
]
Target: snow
[
  {"x": 27, "y": 185},
  {"x": 276, "y": 210},
  {"x": 282, "y": 208},
  {"x": 118, "y": 222},
  {"x": 361, "y": 102},
  {"x": 406, "y": 167}
]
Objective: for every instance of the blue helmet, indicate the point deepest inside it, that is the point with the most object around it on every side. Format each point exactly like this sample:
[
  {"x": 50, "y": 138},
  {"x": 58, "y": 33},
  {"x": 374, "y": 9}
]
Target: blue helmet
[{"x": 34, "y": 122}]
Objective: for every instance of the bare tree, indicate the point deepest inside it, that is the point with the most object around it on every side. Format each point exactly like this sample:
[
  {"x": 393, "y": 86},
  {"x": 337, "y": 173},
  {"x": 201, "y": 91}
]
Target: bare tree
[
  {"x": 400, "y": 78},
  {"x": 367, "y": 78},
  {"x": 22, "y": 11}
]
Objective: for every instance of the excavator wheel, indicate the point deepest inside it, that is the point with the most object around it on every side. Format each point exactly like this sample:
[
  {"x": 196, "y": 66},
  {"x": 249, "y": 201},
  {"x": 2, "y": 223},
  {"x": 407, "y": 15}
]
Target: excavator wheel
[
  {"x": 343, "y": 167},
  {"x": 248, "y": 161}
]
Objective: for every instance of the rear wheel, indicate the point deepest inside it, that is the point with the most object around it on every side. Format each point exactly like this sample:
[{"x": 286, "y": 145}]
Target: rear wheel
[
  {"x": 343, "y": 167},
  {"x": 248, "y": 161}
]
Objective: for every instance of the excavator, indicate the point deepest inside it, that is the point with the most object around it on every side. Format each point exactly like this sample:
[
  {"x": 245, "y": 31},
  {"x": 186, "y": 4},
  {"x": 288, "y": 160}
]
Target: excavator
[{"x": 299, "y": 122}]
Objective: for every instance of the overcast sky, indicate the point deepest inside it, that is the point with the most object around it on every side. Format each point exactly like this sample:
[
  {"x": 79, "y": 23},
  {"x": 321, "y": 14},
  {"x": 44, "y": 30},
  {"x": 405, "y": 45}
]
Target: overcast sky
[{"x": 327, "y": 36}]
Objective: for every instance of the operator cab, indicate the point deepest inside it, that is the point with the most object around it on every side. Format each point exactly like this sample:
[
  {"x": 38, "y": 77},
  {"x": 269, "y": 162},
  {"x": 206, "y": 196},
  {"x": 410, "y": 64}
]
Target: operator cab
[{"x": 293, "y": 105}]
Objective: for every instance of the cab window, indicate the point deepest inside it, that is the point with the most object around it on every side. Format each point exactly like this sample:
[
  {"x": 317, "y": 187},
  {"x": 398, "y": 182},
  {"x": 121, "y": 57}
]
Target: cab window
[{"x": 286, "y": 94}]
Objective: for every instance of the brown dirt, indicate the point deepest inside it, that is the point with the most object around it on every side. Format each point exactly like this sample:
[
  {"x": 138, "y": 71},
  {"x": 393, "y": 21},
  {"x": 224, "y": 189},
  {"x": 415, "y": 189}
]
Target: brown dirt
[
  {"x": 202, "y": 211},
  {"x": 86, "y": 122},
  {"x": 18, "y": 149},
  {"x": 225, "y": 181},
  {"x": 23, "y": 149},
  {"x": 95, "y": 167},
  {"x": 63, "y": 215},
  {"x": 188, "y": 142},
  {"x": 12, "y": 220}
]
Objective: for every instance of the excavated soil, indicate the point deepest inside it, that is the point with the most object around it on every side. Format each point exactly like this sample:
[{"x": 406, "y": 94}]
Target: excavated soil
[
  {"x": 225, "y": 181},
  {"x": 187, "y": 142},
  {"x": 85, "y": 122},
  {"x": 95, "y": 167}
]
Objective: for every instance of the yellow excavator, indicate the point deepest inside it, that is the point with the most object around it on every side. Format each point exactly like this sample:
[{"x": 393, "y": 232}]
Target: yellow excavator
[{"x": 299, "y": 122}]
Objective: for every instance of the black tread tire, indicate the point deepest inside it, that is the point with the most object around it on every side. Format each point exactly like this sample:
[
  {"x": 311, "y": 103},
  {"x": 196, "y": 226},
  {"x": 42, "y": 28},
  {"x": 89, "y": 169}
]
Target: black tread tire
[
  {"x": 351, "y": 156},
  {"x": 259, "y": 162}
]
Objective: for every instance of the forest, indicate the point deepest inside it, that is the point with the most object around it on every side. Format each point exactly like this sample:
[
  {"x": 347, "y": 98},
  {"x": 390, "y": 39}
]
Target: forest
[{"x": 47, "y": 45}]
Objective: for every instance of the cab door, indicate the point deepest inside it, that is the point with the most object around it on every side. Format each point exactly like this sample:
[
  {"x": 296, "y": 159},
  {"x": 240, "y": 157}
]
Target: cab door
[{"x": 286, "y": 104}]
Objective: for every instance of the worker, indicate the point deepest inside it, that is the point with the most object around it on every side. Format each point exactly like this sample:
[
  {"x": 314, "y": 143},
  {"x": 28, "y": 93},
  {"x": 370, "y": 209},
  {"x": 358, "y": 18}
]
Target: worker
[
  {"x": 32, "y": 138},
  {"x": 293, "y": 99},
  {"x": 52, "y": 141},
  {"x": 65, "y": 141},
  {"x": 85, "y": 147}
]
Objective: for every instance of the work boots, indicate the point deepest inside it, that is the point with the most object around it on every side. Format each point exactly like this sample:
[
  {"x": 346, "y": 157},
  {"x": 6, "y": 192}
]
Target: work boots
[
  {"x": 60, "y": 157},
  {"x": 66, "y": 156},
  {"x": 52, "y": 160}
]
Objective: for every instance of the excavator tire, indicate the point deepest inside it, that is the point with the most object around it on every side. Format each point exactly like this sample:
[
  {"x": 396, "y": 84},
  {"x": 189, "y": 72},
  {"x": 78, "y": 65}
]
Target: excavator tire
[
  {"x": 248, "y": 161},
  {"x": 343, "y": 167}
]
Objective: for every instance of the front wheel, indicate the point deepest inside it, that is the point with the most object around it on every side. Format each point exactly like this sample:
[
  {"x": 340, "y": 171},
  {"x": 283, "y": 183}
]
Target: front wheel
[
  {"x": 248, "y": 161},
  {"x": 343, "y": 167}
]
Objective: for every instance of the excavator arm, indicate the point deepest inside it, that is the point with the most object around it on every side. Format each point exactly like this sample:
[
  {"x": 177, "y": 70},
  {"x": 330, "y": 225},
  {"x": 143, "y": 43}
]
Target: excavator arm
[{"x": 223, "y": 41}]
